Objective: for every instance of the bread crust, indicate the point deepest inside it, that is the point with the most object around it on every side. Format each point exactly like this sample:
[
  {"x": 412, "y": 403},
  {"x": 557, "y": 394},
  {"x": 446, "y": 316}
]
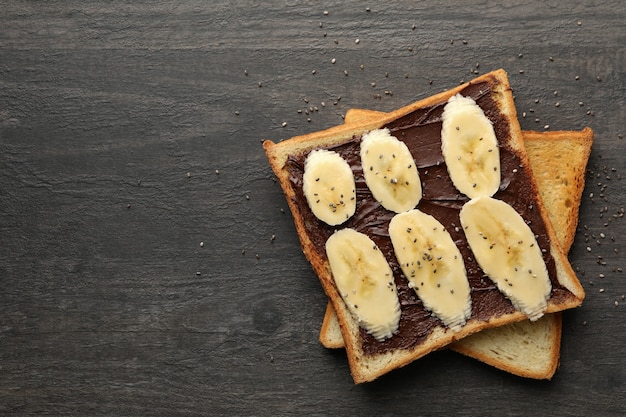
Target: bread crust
[{"x": 368, "y": 367}]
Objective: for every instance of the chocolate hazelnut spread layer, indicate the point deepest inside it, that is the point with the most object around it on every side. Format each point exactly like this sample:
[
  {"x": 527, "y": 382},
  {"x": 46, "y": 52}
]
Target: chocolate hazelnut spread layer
[{"x": 420, "y": 130}]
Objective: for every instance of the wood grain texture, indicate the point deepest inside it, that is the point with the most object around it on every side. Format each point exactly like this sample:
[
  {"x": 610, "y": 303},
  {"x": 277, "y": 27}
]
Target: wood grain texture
[{"x": 130, "y": 133}]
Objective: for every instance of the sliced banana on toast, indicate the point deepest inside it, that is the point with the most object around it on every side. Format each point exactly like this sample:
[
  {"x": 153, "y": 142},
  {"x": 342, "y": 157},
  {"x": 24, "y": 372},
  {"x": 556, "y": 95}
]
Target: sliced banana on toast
[
  {"x": 329, "y": 187},
  {"x": 470, "y": 148},
  {"x": 433, "y": 264},
  {"x": 365, "y": 282},
  {"x": 507, "y": 251},
  {"x": 390, "y": 172}
]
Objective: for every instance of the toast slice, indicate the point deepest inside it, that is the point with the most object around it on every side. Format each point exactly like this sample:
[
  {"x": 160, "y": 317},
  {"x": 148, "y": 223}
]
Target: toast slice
[
  {"x": 528, "y": 349},
  {"x": 418, "y": 125}
]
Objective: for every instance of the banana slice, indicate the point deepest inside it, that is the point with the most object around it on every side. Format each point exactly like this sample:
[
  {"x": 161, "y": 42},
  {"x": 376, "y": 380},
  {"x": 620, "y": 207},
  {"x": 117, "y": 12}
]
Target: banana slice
[
  {"x": 365, "y": 282},
  {"x": 470, "y": 148},
  {"x": 433, "y": 265},
  {"x": 390, "y": 172},
  {"x": 507, "y": 251},
  {"x": 329, "y": 188}
]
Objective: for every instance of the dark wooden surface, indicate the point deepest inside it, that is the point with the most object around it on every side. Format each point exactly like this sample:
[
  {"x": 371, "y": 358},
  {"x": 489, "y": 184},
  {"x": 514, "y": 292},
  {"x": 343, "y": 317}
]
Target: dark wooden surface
[{"x": 130, "y": 135}]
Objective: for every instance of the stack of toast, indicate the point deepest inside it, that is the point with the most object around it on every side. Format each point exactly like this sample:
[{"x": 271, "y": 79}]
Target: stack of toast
[{"x": 540, "y": 177}]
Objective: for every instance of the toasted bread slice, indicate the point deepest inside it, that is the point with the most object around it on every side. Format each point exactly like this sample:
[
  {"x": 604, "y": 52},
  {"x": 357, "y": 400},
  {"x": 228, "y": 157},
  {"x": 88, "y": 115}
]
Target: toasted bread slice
[
  {"x": 419, "y": 332},
  {"x": 528, "y": 349}
]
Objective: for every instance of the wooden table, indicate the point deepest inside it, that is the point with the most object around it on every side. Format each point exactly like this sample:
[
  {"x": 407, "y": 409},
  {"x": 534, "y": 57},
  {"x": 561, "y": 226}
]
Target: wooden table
[{"x": 148, "y": 261}]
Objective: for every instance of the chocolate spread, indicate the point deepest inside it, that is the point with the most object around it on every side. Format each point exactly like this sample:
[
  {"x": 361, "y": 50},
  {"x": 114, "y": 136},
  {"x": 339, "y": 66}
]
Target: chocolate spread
[{"x": 421, "y": 131}]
